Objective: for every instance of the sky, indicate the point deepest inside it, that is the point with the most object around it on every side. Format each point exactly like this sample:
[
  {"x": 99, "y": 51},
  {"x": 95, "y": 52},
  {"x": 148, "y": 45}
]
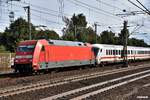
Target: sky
[{"x": 106, "y": 13}]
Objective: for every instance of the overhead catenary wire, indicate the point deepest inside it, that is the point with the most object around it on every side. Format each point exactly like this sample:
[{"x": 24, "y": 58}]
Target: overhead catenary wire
[
  {"x": 143, "y": 6},
  {"x": 137, "y": 6},
  {"x": 94, "y": 9},
  {"x": 47, "y": 19},
  {"x": 49, "y": 12},
  {"x": 47, "y": 9},
  {"x": 85, "y": 5},
  {"x": 109, "y": 5}
]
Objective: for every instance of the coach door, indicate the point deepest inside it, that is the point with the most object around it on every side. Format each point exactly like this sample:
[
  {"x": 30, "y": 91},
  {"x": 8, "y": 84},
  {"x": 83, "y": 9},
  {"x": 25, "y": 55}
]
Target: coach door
[
  {"x": 114, "y": 55},
  {"x": 96, "y": 54}
]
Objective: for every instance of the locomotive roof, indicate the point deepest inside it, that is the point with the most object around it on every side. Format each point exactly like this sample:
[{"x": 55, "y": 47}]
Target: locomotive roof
[
  {"x": 27, "y": 42},
  {"x": 66, "y": 43}
]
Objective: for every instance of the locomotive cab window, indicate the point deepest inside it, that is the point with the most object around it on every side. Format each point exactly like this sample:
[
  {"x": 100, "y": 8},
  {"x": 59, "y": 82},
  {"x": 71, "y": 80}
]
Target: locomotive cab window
[{"x": 26, "y": 48}]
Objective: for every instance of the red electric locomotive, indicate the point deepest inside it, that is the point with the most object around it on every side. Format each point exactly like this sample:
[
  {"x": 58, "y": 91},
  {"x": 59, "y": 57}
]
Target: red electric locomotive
[{"x": 36, "y": 55}]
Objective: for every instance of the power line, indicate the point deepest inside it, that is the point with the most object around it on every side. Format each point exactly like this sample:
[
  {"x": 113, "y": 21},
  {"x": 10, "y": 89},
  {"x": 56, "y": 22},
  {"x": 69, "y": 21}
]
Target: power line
[
  {"x": 96, "y": 11},
  {"x": 109, "y": 5},
  {"x": 138, "y": 6},
  {"x": 47, "y": 9},
  {"x": 53, "y": 14},
  {"x": 143, "y": 6},
  {"x": 39, "y": 11},
  {"x": 93, "y": 7},
  {"x": 46, "y": 13},
  {"x": 47, "y": 19}
]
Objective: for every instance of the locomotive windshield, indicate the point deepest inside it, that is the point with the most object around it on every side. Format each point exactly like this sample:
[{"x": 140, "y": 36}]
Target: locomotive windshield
[{"x": 25, "y": 48}]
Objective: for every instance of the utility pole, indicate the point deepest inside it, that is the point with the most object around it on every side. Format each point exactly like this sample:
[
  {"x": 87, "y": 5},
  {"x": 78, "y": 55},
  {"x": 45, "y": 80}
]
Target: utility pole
[
  {"x": 95, "y": 25},
  {"x": 125, "y": 42},
  {"x": 29, "y": 20},
  {"x": 75, "y": 31},
  {"x": 11, "y": 13}
]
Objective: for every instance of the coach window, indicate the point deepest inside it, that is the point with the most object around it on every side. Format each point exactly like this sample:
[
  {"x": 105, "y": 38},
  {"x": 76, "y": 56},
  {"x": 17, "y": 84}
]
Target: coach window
[
  {"x": 113, "y": 52},
  {"x": 128, "y": 51},
  {"x": 121, "y": 52},
  {"x": 106, "y": 52},
  {"x": 116, "y": 52}
]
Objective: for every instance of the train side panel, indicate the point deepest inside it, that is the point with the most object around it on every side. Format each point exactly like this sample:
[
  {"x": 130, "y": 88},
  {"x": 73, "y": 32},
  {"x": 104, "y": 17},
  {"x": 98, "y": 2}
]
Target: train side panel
[
  {"x": 113, "y": 53},
  {"x": 65, "y": 56}
]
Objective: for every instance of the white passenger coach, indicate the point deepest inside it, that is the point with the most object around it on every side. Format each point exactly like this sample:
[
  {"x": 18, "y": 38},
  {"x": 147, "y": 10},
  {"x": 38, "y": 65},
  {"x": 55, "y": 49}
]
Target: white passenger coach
[{"x": 114, "y": 53}]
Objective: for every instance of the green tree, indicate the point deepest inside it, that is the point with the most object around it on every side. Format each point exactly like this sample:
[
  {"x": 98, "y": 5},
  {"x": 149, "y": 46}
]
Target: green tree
[
  {"x": 107, "y": 37},
  {"x": 76, "y": 29},
  {"x": 91, "y": 35},
  {"x": 17, "y": 31},
  {"x": 124, "y": 34},
  {"x": 137, "y": 42},
  {"x": 46, "y": 34}
]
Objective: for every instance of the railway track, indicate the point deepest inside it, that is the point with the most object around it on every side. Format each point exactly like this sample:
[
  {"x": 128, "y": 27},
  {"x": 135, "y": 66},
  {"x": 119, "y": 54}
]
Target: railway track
[
  {"x": 52, "y": 83},
  {"x": 88, "y": 91}
]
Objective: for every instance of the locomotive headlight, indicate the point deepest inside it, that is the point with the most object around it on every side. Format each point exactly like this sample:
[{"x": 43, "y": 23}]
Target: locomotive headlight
[
  {"x": 18, "y": 57},
  {"x": 24, "y": 56},
  {"x": 29, "y": 56}
]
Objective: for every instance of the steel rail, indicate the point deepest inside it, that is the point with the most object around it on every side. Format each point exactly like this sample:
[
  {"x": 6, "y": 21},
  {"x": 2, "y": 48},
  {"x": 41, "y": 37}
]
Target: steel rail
[{"x": 51, "y": 83}]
